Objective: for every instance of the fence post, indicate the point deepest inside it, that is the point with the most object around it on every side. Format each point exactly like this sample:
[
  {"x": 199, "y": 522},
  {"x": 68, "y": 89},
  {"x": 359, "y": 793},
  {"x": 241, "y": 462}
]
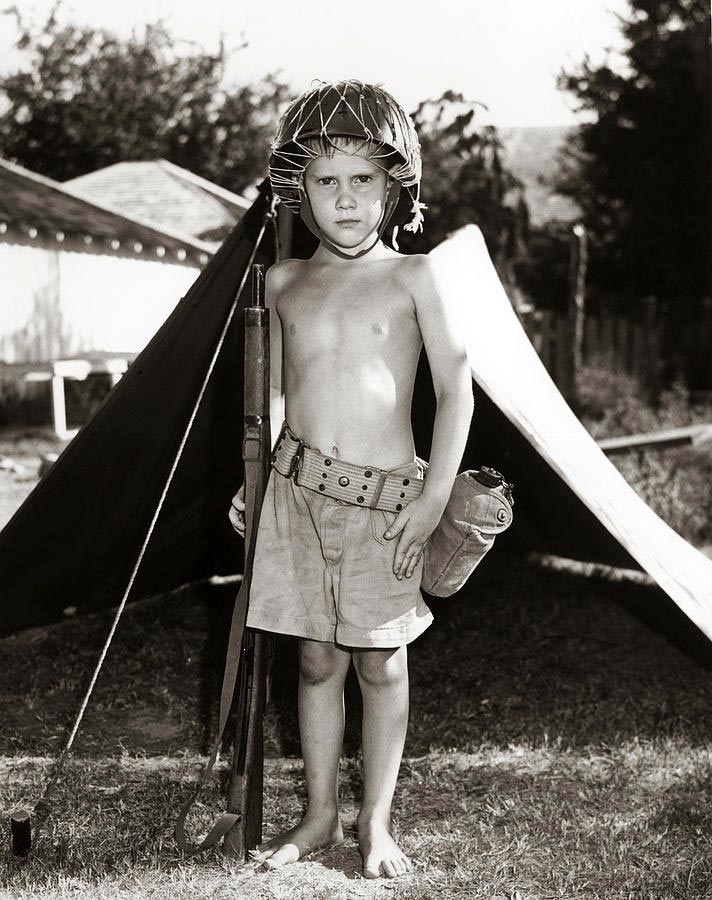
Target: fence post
[
  {"x": 651, "y": 362},
  {"x": 590, "y": 339},
  {"x": 704, "y": 343},
  {"x": 59, "y": 407},
  {"x": 547, "y": 330},
  {"x": 640, "y": 362},
  {"x": 561, "y": 359},
  {"x": 608, "y": 339},
  {"x": 570, "y": 349},
  {"x": 624, "y": 336}
]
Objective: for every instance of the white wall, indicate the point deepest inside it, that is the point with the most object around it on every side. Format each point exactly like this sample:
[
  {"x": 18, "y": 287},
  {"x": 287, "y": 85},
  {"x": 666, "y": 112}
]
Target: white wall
[{"x": 55, "y": 304}]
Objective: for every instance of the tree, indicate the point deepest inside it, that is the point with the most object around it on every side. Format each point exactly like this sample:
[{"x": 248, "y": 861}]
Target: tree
[
  {"x": 640, "y": 170},
  {"x": 88, "y": 99},
  {"x": 464, "y": 179}
]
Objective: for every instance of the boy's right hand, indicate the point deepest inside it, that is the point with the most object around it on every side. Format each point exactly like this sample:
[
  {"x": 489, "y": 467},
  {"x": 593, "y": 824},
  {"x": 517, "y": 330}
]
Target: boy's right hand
[{"x": 237, "y": 511}]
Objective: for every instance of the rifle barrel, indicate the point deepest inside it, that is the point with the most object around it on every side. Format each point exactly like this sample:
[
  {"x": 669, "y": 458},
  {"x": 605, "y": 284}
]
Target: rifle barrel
[{"x": 258, "y": 285}]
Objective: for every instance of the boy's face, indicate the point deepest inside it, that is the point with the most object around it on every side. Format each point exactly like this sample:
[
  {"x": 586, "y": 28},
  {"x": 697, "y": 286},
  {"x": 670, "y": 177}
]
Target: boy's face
[{"x": 347, "y": 193}]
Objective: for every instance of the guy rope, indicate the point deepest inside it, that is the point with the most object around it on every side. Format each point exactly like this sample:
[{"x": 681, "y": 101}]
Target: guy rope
[{"x": 251, "y": 658}]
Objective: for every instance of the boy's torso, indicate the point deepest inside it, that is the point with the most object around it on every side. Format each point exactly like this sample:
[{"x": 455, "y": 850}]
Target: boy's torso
[{"x": 351, "y": 347}]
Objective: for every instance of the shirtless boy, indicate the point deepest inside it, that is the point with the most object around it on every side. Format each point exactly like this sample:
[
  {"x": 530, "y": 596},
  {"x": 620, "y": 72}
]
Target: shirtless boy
[{"x": 345, "y": 339}]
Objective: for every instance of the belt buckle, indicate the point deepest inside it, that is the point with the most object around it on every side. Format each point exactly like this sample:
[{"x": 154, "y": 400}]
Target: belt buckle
[
  {"x": 280, "y": 438},
  {"x": 296, "y": 460}
]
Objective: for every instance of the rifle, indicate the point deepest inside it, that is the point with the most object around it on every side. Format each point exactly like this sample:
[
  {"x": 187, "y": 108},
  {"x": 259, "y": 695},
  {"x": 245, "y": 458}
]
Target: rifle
[
  {"x": 241, "y": 824},
  {"x": 247, "y": 659},
  {"x": 246, "y": 779}
]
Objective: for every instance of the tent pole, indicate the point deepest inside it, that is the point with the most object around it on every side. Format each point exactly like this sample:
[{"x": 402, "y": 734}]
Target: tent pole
[{"x": 285, "y": 228}]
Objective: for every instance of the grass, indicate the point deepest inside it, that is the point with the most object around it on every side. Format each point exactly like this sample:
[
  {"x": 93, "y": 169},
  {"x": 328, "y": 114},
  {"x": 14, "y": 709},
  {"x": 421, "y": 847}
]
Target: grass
[
  {"x": 546, "y": 822},
  {"x": 559, "y": 744},
  {"x": 559, "y": 747},
  {"x": 24, "y": 447},
  {"x": 676, "y": 483}
]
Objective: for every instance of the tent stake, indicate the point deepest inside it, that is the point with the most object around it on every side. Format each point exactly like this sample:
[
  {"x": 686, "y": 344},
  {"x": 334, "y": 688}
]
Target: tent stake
[{"x": 21, "y": 834}]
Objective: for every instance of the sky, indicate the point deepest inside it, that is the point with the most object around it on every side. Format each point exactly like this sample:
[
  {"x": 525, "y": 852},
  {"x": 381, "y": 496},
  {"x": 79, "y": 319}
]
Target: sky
[{"x": 503, "y": 53}]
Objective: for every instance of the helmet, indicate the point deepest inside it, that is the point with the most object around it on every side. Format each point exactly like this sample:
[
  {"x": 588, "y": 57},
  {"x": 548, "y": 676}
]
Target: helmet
[{"x": 348, "y": 109}]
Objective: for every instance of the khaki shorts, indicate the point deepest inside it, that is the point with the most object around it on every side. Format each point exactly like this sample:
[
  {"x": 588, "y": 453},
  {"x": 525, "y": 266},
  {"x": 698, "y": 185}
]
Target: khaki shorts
[{"x": 323, "y": 570}]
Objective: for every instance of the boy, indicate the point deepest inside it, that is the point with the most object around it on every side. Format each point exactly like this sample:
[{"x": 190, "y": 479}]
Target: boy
[{"x": 347, "y": 510}]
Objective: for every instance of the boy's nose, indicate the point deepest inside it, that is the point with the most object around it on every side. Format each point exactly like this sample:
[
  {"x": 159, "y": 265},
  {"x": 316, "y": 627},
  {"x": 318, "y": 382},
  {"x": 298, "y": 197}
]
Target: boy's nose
[{"x": 345, "y": 200}]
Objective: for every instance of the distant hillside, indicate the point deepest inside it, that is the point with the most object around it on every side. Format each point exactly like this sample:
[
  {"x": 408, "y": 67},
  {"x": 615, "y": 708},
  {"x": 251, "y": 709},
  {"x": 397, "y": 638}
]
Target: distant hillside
[{"x": 530, "y": 154}]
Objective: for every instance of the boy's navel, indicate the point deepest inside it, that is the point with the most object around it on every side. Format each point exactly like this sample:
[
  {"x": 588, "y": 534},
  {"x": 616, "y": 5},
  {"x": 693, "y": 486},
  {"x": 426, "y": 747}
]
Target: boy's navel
[
  {"x": 376, "y": 328},
  {"x": 292, "y": 328}
]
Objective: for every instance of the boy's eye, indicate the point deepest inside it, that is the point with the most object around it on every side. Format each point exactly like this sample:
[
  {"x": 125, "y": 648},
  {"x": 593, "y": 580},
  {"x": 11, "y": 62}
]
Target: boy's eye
[{"x": 359, "y": 179}]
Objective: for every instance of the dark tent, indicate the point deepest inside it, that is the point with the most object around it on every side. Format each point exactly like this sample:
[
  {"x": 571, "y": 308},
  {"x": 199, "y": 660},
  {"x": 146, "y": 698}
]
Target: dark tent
[{"x": 76, "y": 539}]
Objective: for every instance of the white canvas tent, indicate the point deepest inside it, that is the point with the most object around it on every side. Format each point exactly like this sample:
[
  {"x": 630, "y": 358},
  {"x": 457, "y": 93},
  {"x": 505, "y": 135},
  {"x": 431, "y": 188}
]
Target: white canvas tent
[{"x": 510, "y": 372}]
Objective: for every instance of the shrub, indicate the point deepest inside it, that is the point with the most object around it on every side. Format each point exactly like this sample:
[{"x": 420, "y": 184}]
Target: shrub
[
  {"x": 676, "y": 483},
  {"x": 24, "y": 402}
]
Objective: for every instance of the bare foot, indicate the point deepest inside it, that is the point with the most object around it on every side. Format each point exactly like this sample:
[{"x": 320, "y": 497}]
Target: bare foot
[
  {"x": 381, "y": 855},
  {"x": 310, "y": 834}
]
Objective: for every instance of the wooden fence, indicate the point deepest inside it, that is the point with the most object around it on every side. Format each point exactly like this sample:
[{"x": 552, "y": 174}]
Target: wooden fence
[{"x": 653, "y": 345}]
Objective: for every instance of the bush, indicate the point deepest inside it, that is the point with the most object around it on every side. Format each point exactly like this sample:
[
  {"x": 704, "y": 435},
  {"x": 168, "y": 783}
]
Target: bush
[
  {"x": 24, "y": 402},
  {"x": 30, "y": 402},
  {"x": 676, "y": 483}
]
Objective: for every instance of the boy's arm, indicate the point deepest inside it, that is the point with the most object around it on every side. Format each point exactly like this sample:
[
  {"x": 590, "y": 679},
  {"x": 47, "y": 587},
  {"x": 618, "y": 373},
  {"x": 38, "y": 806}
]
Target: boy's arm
[{"x": 452, "y": 381}]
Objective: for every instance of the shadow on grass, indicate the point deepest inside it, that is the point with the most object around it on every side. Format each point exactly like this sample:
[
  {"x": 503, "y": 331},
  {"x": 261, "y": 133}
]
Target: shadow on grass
[
  {"x": 658, "y": 613},
  {"x": 523, "y": 654},
  {"x": 687, "y": 804},
  {"x": 616, "y": 825},
  {"x": 531, "y": 655}
]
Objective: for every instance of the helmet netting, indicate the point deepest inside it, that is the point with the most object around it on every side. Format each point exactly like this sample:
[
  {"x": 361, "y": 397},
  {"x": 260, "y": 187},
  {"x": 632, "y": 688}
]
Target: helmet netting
[{"x": 347, "y": 109}]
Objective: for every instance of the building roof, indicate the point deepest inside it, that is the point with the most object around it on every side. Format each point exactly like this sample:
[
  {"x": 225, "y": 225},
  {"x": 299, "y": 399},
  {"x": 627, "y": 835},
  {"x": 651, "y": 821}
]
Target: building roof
[
  {"x": 530, "y": 153},
  {"x": 165, "y": 194},
  {"x": 38, "y": 211}
]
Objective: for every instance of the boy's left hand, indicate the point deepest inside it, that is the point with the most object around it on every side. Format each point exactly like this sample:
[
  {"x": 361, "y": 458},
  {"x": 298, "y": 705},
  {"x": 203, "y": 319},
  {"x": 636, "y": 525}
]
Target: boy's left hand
[{"x": 415, "y": 524}]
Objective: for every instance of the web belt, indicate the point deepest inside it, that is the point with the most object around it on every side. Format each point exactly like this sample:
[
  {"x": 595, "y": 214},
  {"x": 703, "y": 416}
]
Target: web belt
[{"x": 366, "y": 486}]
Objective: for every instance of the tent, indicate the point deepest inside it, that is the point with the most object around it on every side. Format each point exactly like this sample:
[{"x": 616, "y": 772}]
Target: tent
[{"x": 76, "y": 539}]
